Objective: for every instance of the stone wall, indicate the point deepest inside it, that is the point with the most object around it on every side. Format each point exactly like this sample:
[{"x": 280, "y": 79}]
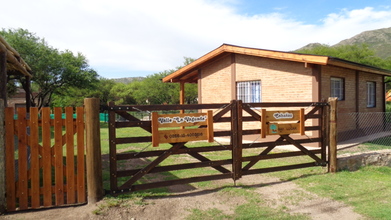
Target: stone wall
[{"x": 355, "y": 161}]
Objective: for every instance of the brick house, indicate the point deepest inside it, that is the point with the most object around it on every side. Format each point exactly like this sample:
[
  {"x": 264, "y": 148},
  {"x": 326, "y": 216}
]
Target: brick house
[
  {"x": 257, "y": 75},
  {"x": 18, "y": 100}
]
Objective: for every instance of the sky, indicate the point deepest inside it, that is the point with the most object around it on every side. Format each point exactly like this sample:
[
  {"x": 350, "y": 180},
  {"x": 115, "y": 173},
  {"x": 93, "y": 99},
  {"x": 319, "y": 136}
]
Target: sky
[{"x": 131, "y": 38}]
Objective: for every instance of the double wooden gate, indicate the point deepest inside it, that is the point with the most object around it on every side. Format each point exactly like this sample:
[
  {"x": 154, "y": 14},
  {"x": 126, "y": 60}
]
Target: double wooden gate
[{"x": 135, "y": 165}]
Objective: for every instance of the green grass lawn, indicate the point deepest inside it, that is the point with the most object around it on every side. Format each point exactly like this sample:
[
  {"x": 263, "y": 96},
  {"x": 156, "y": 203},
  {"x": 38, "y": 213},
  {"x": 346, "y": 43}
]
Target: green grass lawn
[{"x": 368, "y": 190}]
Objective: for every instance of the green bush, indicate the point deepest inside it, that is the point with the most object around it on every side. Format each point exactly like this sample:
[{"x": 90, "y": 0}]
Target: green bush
[{"x": 388, "y": 106}]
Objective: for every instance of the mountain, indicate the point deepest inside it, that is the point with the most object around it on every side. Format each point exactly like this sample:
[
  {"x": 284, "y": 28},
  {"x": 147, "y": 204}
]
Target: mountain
[
  {"x": 377, "y": 40},
  {"x": 309, "y": 46}
]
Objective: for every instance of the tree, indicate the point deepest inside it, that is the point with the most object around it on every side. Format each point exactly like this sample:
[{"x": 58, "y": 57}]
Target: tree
[
  {"x": 359, "y": 53},
  {"x": 124, "y": 93},
  {"x": 53, "y": 71},
  {"x": 75, "y": 96},
  {"x": 153, "y": 91}
]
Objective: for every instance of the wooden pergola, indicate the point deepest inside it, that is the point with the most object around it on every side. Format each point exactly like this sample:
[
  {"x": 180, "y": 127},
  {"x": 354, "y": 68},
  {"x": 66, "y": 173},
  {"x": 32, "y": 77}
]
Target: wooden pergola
[{"x": 12, "y": 64}]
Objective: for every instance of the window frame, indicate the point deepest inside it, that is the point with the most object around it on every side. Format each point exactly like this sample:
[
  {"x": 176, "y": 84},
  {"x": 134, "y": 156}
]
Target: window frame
[
  {"x": 248, "y": 90},
  {"x": 371, "y": 94},
  {"x": 341, "y": 95}
]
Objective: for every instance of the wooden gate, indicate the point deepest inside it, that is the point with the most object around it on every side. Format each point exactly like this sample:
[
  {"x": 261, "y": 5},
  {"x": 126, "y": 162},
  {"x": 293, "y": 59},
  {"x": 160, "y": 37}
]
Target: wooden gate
[
  {"x": 135, "y": 165},
  {"x": 40, "y": 171}
]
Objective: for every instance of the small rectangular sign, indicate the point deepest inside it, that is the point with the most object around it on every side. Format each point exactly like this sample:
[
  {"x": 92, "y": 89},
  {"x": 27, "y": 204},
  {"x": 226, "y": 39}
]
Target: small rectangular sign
[
  {"x": 183, "y": 135},
  {"x": 277, "y": 122},
  {"x": 290, "y": 115},
  {"x": 204, "y": 121},
  {"x": 278, "y": 128},
  {"x": 177, "y": 120}
]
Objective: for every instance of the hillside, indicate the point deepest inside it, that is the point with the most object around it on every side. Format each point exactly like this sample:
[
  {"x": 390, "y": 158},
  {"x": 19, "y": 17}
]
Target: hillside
[{"x": 377, "y": 40}]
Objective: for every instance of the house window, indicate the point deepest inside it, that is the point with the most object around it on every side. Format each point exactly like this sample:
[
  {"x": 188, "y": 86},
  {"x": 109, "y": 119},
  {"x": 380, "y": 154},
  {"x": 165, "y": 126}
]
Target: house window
[
  {"x": 371, "y": 94},
  {"x": 249, "y": 91},
  {"x": 337, "y": 88}
]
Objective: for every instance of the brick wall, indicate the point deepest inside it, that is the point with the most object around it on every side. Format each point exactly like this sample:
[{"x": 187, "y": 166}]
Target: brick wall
[
  {"x": 350, "y": 104},
  {"x": 279, "y": 79},
  {"x": 216, "y": 82},
  {"x": 286, "y": 81}
]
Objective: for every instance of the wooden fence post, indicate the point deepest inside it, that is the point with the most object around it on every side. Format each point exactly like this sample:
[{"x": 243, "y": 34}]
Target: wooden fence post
[
  {"x": 93, "y": 150},
  {"x": 325, "y": 111},
  {"x": 236, "y": 139},
  {"x": 2, "y": 159},
  {"x": 333, "y": 135},
  {"x": 3, "y": 104}
]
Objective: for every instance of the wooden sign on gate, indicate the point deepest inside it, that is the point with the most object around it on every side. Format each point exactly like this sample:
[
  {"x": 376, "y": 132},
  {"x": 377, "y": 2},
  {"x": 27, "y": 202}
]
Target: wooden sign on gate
[
  {"x": 282, "y": 122},
  {"x": 181, "y": 120}
]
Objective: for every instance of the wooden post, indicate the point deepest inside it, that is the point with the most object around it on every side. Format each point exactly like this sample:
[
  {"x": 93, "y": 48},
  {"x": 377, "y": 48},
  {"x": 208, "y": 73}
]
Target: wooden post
[
  {"x": 263, "y": 123},
  {"x": 155, "y": 129},
  {"x": 113, "y": 150},
  {"x": 182, "y": 97},
  {"x": 3, "y": 104},
  {"x": 325, "y": 112},
  {"x": 236, "y": 139},
  {"x": 182, "y": 93},
  {"x": 27, "y": 93},
  {"x": 333, "y": 135},
  {"x": 2, "y": 159},
  {"x": 3, "y": 75},
  {"x": 93, "y": 148}
]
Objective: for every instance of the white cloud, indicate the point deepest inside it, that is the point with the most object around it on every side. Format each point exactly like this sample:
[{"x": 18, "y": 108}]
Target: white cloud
[{"x": 154, "y": 35}]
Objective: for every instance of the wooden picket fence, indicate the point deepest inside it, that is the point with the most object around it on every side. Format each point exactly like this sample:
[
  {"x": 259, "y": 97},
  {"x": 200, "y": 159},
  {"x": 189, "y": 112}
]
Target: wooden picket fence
[{"x": 45, "y": 164}]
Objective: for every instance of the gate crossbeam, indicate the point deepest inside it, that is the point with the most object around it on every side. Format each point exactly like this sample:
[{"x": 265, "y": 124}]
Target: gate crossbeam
[
  {"x": 152, "y": 165},
  {"x": 312, "y": 112},
  {"x": 304, "y": 150},
  {"x": 265, "y": 152},
  {"x": 204, "y": 159}
]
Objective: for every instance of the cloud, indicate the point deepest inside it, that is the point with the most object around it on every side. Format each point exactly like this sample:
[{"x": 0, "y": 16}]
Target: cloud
[
  {"x": 345, "y": 24},
  {"x": 153, "y": 35}
]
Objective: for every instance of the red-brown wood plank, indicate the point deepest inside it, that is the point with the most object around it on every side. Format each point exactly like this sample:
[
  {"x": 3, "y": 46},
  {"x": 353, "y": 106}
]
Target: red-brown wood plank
[
  {"x": 70, "y": 156},
  {"x": 22, "y": 159},
  {"x": 81, "y": 185},
  {"x": 46, "y": 158},
  {"x": 59, "y": 173},
  {"x": 155, "y": 130},
  {"x": 10, "y": 159},
  {"x": 210, "y": 126},
  {"x": 34, "y": 166}
]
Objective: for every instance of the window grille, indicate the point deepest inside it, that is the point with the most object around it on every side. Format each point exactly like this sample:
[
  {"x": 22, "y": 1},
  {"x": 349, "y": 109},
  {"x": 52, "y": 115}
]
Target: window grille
[
  {"x": 249, "y": 91},
  {"x": 337, "y": 88},
  {"x": 371, "y": 94}
]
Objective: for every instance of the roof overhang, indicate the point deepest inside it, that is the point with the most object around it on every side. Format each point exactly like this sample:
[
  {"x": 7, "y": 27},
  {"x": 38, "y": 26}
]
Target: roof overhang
[
  {"x": 15, "y": 64},
  {"x": 189, "y": 73},
  {"x": 356, "y": 66}
]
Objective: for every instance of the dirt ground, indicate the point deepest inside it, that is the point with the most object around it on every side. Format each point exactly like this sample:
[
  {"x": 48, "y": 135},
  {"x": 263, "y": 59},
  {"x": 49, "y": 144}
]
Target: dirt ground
[{"x": 185, "y": 198}]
